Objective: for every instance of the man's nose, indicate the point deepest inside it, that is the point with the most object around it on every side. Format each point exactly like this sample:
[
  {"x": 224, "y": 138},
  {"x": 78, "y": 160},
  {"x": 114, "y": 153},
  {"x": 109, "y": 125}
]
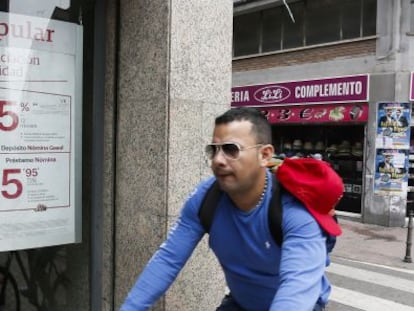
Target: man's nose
[{"x": 219, "y": 156}]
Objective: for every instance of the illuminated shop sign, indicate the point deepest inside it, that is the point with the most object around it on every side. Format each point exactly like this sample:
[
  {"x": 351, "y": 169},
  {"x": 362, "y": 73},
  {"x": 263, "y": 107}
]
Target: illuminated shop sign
[{"x": 328, "y": 90}]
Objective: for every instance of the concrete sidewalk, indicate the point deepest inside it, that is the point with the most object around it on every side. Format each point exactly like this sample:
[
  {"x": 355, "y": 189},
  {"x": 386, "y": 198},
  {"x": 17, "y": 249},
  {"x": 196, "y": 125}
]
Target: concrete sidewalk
[{"x": 373, "y": 244}]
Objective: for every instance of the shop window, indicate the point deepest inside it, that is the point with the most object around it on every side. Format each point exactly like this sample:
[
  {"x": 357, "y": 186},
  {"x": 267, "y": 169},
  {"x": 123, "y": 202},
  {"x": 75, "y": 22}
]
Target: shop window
[
  {"x": 293, "y": 35},
  {"x": 322, "y": 23},
  {"x": 65, "y": 10},
  {"x": 313, "y": 22},
  {"x": 246, "y": 34},
  {"x": 45, "y": 44},
  {"x": 339, "y": 145},
  {"x": 369, "y": 15},
  {"x": 272, "y": 29},
  {"x": 351, "y": 19}
]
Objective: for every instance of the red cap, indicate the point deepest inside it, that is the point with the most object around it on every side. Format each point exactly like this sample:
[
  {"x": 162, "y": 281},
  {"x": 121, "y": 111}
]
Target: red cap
[{"x": 316, "y": 185}]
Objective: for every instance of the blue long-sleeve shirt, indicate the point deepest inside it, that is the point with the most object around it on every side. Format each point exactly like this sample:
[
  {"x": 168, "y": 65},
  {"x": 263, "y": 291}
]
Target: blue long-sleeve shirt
[{"x": 259, "y": 274}]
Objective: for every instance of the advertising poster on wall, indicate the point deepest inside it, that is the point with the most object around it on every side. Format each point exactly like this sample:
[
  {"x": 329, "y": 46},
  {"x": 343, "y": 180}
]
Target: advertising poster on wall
[
  {"x": 40, "y": 132},
  {"x": 393, "y": 125},
  {"x": 391, "y": 172}
]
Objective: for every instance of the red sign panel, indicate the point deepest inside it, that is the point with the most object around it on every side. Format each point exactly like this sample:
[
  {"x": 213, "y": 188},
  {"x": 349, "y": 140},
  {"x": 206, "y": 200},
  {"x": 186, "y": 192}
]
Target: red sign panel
[
  {"x": 329, "y": 90},
  {"x": 333, "y": 113}
]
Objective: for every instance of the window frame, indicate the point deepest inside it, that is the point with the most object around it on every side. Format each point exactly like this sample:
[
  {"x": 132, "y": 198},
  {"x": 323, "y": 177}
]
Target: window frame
[{"x": 305, "y": 45}]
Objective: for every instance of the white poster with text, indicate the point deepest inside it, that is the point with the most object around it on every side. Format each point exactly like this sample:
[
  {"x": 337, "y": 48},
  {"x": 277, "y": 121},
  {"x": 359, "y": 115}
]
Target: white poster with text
[{"x": 40, "y": 132}]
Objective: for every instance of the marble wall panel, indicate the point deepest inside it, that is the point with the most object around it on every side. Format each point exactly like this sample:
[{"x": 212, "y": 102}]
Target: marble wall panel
[{"x": 174, "y": 78}]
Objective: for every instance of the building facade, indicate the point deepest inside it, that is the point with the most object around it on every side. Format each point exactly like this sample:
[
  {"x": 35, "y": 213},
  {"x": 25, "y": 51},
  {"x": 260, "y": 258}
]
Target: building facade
[
  {"x": 324, "y": 72},
  {"x": 145, "y": 80}
]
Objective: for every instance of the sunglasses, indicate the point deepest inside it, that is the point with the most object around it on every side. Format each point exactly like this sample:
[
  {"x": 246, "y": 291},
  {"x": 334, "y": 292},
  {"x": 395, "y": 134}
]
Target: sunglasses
[{"x": 230, "y": 150}]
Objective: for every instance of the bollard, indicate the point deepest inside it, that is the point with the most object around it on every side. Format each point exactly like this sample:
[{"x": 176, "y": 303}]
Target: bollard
[{"x": 407, "y": 257}]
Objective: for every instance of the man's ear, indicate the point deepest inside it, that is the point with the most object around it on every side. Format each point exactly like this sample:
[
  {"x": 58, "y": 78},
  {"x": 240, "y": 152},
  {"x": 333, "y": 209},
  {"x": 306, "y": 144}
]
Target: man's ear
[{"x": 266, "y": 153}]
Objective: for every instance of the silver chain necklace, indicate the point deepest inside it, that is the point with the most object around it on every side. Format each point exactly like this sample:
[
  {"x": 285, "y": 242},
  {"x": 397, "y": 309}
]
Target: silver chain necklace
[{"x": 263, "y": 194}]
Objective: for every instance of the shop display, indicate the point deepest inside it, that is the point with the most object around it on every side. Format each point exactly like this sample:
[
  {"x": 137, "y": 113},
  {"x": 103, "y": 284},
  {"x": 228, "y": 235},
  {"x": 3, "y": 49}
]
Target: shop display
[
  {"x": 356, "y": 149},
  {"x": 341, "y": 146},
  {"x": 297, "y": 144},
  {"x": 319, "y": 146}
]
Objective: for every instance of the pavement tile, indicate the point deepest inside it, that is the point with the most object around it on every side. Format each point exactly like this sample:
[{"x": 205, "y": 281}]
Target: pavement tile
[{"x": 372, "y": 243}]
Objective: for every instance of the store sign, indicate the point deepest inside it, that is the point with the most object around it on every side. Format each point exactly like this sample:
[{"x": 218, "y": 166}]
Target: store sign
[
  {"x": 412, "y": 87},
  {"x": 329, "y": 90},
  {"x": 40, "y": 132},
  {"x": 357, "y": 112}
]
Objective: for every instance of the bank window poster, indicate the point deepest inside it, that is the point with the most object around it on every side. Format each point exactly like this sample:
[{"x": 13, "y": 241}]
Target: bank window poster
[
  {"x": 391, "y": 171},
  {"x": 393, "y": 126},
  {"x": 40, "y": 132}
]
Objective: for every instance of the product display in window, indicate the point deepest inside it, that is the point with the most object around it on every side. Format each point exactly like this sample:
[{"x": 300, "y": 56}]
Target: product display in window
[{"x": 342, "y": 147}]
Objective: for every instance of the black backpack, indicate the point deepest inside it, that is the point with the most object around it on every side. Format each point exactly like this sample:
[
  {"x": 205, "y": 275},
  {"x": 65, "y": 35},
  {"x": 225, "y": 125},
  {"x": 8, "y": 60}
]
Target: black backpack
[{"x": 212, "y": 197}]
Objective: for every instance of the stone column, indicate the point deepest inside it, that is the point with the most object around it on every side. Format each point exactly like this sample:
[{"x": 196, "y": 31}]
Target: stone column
[
  {"x": 174, "y": 77},
  {"x": 389, "y": 83}
]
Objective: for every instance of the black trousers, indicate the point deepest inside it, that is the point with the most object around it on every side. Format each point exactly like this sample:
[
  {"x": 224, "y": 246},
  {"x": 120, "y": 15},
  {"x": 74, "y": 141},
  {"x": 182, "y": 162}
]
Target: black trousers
[{"x": 229, "y": 304}]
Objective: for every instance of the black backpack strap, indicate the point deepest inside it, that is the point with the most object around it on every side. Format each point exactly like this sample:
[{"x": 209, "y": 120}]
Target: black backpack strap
[
  {"x": 330, "y": 239},
  {"x": 276, "y": 212},
  {"x": 209, "y": 205}
]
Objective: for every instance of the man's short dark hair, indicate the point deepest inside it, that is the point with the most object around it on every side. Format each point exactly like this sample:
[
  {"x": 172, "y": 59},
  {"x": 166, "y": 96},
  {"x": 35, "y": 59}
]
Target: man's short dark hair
[{"x": 260, "y": 126}]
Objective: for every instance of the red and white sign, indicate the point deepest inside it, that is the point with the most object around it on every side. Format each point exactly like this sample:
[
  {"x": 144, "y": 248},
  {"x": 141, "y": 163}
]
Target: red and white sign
[
  {"x": 332, "y": 113},
  {"x": 347, "y": 89},
  {"x": 40, "y": 115}
]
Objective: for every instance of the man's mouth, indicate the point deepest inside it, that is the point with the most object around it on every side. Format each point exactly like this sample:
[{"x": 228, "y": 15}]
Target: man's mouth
[{"x": 222, "y": 174}]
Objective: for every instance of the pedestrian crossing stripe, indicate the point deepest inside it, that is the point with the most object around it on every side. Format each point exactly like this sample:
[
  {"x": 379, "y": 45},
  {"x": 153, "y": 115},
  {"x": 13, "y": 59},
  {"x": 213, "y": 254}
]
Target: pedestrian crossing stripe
[
  {"x": 407, "y": 271},
  {"x": 372, "y": 277},
  {"x": 365, "y": 302}
]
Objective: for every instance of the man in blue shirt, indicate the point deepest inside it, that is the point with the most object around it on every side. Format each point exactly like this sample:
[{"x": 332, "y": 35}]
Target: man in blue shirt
[{"x": 260, "y": 274}]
